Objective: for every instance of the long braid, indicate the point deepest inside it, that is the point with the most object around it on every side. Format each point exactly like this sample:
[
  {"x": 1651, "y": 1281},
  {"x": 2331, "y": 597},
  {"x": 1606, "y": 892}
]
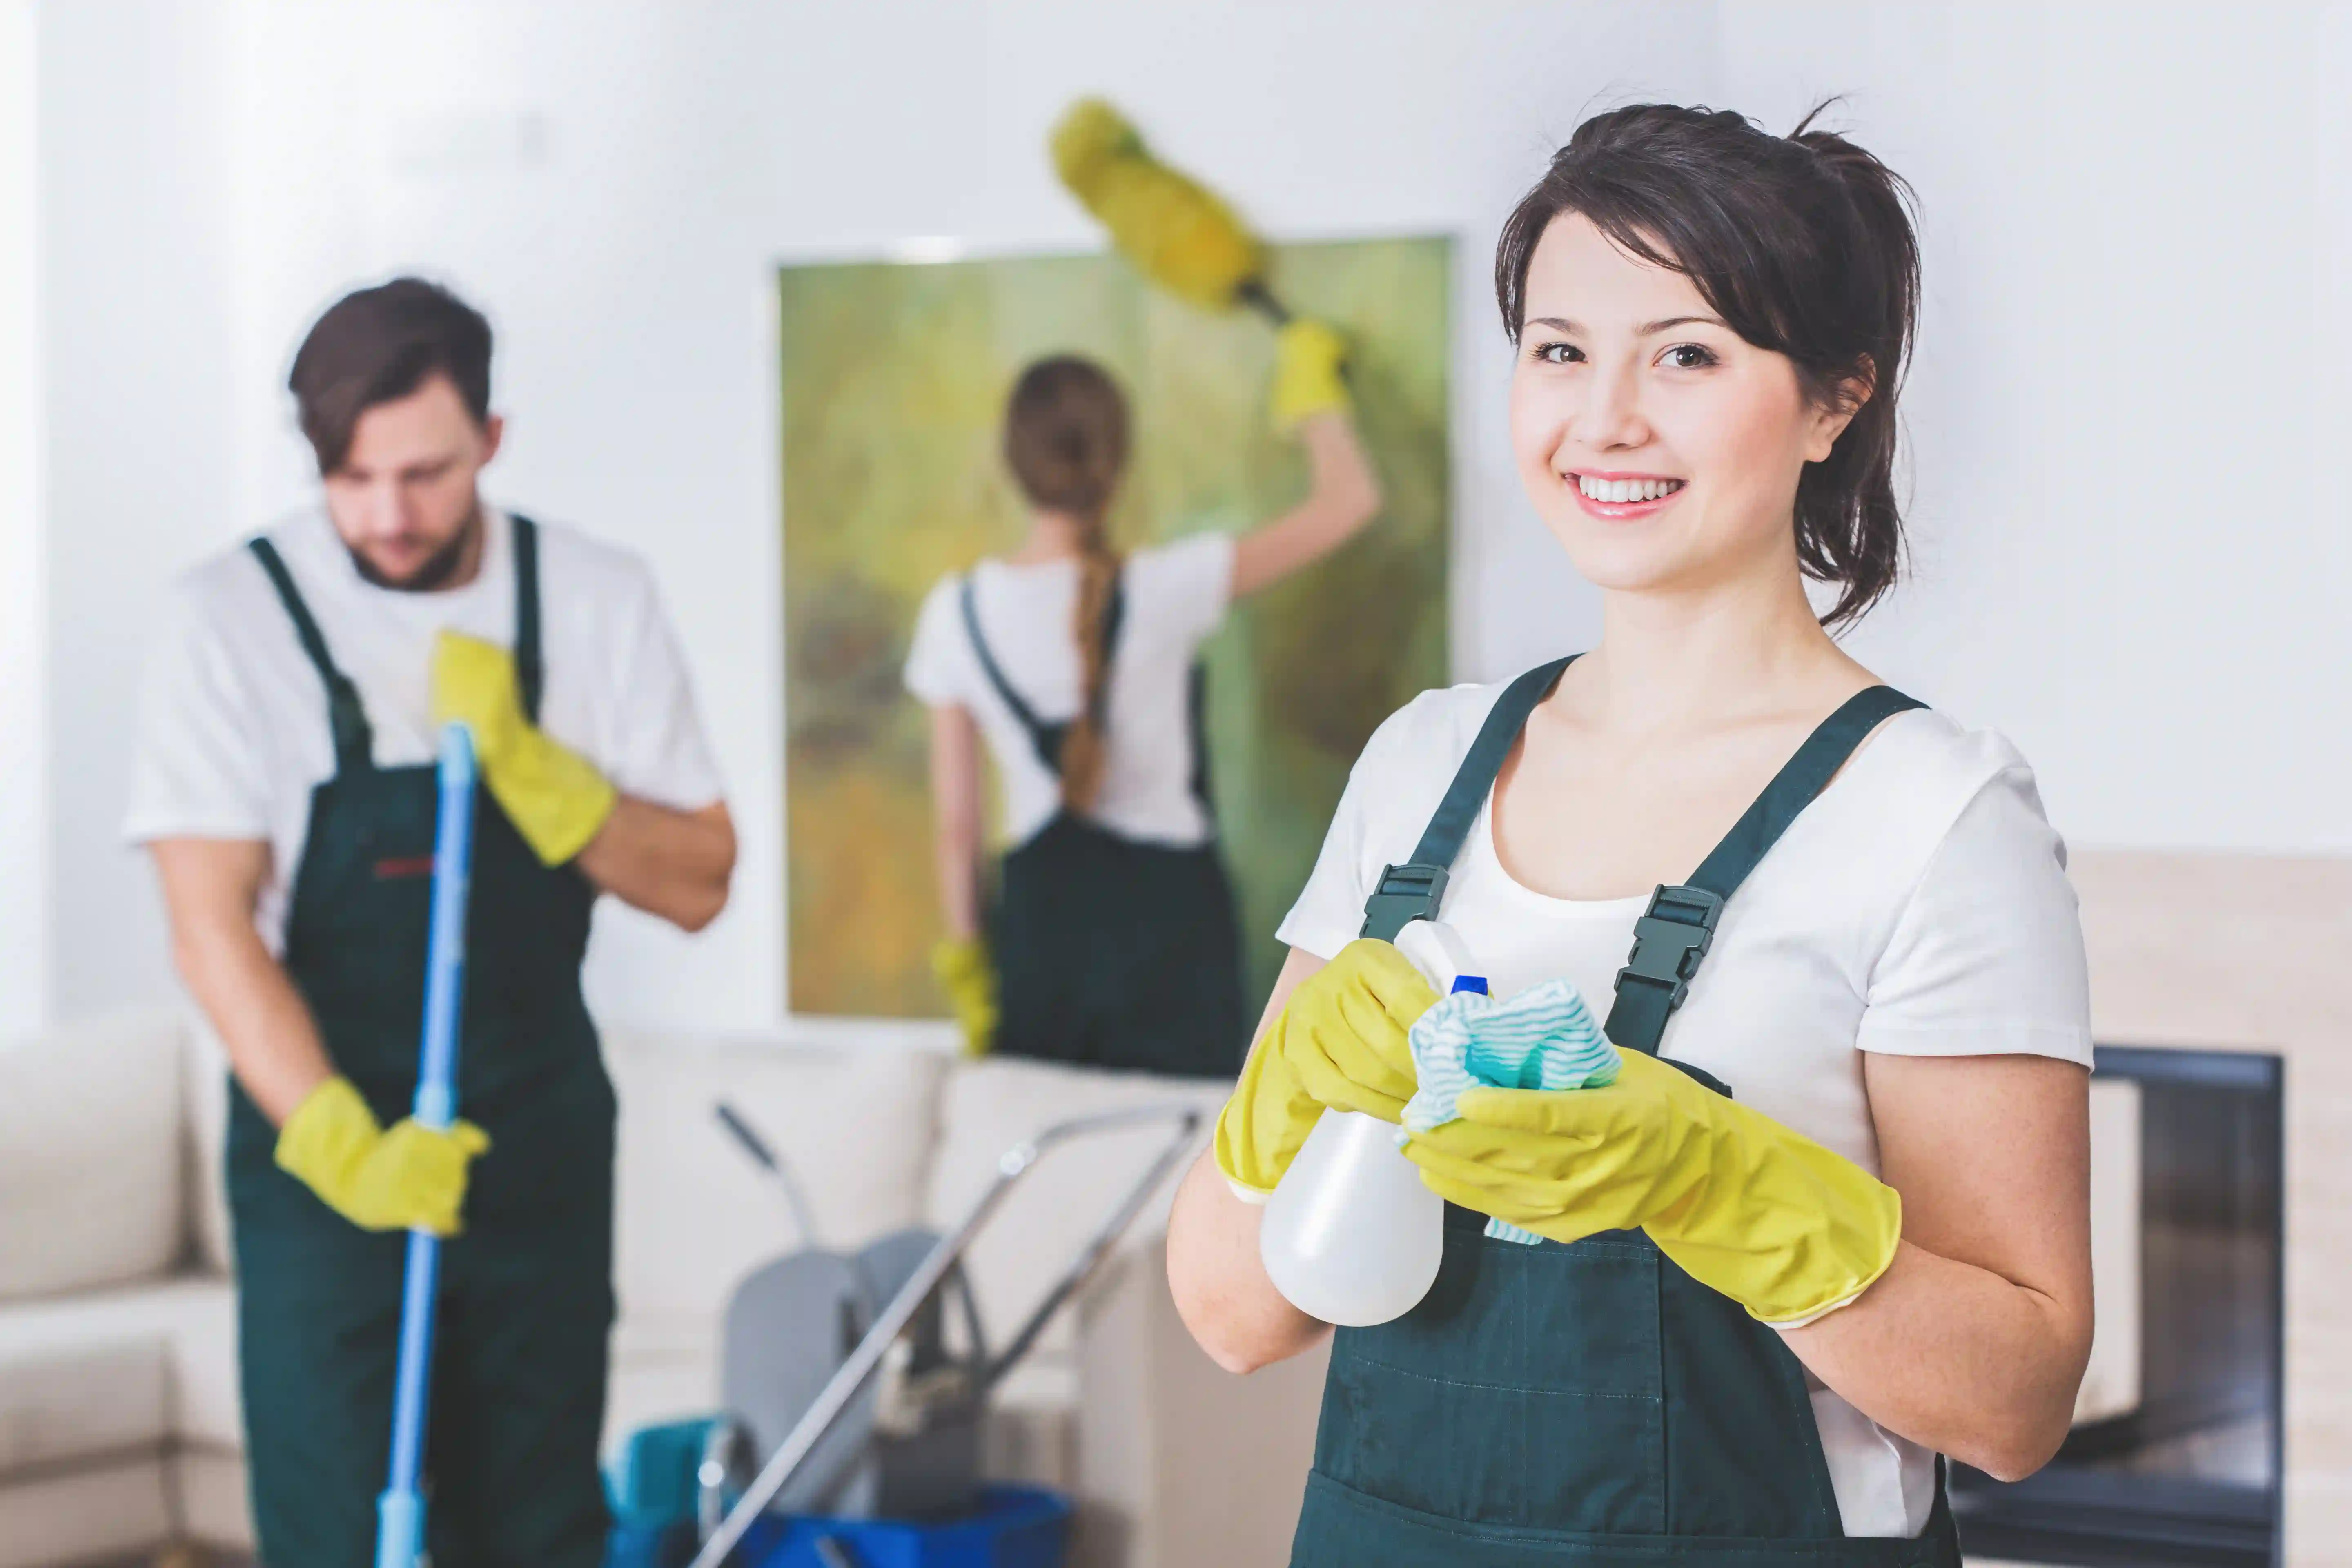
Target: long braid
[
  {"x": 1066, "y": 440},
  {"x": 1083, "y": 751}
]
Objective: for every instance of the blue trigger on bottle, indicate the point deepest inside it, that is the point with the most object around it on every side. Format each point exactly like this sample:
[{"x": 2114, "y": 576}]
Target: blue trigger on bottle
[{"x": 1470, "y": 982}]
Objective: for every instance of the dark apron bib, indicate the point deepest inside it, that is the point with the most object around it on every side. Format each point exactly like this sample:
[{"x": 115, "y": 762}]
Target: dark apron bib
[
  {"x": 526, "y": 1293},
  {"x": 1588, "y": 1404},
  {"x": 1111, "y": 952}
]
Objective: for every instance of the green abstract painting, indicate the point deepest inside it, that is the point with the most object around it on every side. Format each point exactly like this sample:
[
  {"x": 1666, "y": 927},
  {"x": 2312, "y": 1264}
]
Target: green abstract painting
[{"x": 893, "y": 380}]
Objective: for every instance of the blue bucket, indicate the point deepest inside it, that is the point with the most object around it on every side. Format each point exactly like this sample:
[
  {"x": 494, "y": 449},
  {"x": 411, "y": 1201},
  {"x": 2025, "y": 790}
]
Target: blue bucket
[{"x": 1012, "y": 1527}]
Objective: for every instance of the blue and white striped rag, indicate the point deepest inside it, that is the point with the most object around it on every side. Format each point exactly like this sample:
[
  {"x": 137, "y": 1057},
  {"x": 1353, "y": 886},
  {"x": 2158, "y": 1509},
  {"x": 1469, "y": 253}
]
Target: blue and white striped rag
[{"x": 1544, "y": 1037}]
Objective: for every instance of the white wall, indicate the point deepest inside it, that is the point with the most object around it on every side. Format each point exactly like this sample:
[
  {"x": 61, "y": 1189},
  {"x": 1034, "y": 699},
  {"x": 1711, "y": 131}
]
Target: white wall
[
  {"x": 2134, "y": 544},
  {"x": 24, "y": 803},
  {"x": 139, "y": 442},
  {"x": 2134, "y": 230}
]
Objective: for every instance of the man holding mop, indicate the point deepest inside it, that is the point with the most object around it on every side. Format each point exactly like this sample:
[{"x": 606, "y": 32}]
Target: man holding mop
[{"x": 285, "y": 785}]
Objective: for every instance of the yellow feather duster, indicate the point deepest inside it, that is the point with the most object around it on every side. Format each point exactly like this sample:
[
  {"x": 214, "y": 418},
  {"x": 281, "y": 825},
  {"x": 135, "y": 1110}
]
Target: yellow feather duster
[{"x": 1179, "y": 234}]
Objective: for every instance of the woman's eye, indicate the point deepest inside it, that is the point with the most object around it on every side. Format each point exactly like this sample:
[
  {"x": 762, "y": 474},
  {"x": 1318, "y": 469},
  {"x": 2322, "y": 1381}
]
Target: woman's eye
[
  {"x": 1688, "y": 356},
  {"x": 1560, "y": 354}
]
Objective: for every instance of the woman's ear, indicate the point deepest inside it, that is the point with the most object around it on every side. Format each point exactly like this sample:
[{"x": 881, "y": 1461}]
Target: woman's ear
[{"x": 1833, "y": 415}]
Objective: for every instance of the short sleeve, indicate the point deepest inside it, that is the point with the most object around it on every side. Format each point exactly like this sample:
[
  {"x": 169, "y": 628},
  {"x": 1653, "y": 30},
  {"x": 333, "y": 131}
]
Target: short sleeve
[
  {"x": 1193, "y": 580},
  {"x": 660, "y": 753},
  {"x": 1987, "y": 956},
  {"x": 934, "y": 661},
  {"x": 1330, "y": 908},
  {"x": 198, "y": 764}
]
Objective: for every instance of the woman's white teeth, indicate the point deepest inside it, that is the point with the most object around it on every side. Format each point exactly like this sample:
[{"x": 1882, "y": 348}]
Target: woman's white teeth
[{"x": 1621, "y": 491}]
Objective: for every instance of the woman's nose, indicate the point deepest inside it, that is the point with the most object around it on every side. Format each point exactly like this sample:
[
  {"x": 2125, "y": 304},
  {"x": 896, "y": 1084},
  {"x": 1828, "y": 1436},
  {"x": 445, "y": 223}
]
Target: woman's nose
[{"x": 1610, "y": 415}]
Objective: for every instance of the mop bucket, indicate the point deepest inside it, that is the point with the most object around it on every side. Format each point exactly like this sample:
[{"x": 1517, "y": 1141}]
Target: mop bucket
[
  {"x": 1013, "y": 1527},
  {"x": 1009, "y": 1527}
]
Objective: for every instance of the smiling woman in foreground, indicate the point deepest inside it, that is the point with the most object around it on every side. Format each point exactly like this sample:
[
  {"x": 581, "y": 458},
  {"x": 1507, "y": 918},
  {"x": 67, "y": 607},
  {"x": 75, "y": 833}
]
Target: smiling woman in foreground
[{"x": 1830, "y": 1220}]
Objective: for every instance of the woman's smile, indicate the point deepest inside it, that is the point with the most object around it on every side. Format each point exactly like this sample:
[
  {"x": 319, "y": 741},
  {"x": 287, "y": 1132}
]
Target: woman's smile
[{"x": 1617, "y": 496}]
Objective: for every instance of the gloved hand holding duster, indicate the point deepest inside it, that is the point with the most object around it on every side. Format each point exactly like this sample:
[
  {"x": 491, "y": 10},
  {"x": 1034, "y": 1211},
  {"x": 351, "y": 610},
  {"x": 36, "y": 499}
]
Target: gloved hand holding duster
[
  {"x": 1309, "y": 360},
  {"x": 1771, "y": 1219}
]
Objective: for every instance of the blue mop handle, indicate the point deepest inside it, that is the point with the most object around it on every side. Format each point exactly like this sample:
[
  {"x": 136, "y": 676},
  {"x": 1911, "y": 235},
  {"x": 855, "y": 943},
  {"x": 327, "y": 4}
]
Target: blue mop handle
[{"x": 400, "y": 1516}]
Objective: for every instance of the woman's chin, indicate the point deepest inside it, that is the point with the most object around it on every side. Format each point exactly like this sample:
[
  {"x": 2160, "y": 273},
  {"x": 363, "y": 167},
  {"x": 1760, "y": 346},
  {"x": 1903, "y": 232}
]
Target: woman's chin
[{"x": 1622, "y": 564}]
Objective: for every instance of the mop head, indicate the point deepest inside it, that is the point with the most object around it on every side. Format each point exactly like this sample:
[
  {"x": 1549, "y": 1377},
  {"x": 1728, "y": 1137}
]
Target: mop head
[{"x": 1177, "y": 233}]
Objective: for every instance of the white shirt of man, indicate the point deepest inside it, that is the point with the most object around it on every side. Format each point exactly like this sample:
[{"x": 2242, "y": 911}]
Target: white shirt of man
[{"x": 233, "y": 728}]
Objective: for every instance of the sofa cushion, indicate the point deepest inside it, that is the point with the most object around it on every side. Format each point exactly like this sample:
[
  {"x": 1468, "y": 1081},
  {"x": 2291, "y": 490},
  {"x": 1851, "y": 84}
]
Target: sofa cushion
[
  {"x": 99, "y": 1513},
  {"x": 80, "y": 1400},
  {"x": 139, "y": 1364},
  {"x": 90, "y": 1156},
  {"x": 209, "y": 1490},
  {"x": 696, "y": 1214},
  {"x": 989, "y": 1107}
]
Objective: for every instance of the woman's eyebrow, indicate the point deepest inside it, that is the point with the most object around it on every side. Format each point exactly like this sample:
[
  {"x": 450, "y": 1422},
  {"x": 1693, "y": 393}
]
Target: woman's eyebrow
[{"x": 1649, "y": 329}]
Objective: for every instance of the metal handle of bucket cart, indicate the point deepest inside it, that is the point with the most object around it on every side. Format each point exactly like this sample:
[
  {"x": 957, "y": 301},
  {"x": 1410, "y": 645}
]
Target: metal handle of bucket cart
[{"x": 1016, "y": 1163}]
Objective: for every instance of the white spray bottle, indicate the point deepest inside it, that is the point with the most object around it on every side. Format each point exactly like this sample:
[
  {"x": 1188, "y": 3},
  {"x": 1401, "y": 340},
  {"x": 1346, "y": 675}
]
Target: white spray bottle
[{"x": 1350, "y": 1235}]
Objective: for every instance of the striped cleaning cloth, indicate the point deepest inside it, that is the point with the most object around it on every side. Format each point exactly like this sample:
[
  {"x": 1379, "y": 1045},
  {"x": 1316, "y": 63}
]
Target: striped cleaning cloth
[{"x": 1544, "y": 1037}]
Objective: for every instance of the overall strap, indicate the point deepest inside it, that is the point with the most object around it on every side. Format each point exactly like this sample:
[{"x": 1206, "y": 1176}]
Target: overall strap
[
  {"x": 1196, "y": 714},
  {"x": 1044, "y": 739},
  {"x": 1414, "y": 891},
  {"x": 354, "y": 743},
  {"x": 531, "y": 662},
  {"x": 1673, "y": 932}
]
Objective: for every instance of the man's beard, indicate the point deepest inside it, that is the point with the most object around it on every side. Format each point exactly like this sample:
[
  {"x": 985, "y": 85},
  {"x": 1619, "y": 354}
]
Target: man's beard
[{"x": 438, "y": 568}]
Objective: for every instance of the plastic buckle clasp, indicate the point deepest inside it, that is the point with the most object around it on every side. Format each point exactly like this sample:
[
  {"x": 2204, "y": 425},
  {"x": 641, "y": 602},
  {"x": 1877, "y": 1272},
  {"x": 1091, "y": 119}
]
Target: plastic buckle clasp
[
  {"x": 1404, "y": 894},
  {"x": 1673, "y": 934}
]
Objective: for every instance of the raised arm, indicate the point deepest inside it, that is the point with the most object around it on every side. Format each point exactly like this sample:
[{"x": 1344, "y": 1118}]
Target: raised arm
[
  {"x": 1310, "y": 400},
  {"x": 1342, "y": 496}
]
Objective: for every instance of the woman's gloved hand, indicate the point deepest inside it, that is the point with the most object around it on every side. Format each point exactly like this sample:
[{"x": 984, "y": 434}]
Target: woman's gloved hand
[
  {"x": 554, "y": 796},
  {"x": 1307, "y": 355},
  {"x": 969, "y": 980},
  {"x": 1771, "y": 1219},
  {"x": 411, "y": 1177},
  {"x": 1340, "y": 1042}
]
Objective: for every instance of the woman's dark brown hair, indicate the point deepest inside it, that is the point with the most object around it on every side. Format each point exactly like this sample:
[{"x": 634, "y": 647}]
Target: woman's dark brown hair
[
  {"x": 1804, "y": 244},
  {"x": 1065, "y": 441}
]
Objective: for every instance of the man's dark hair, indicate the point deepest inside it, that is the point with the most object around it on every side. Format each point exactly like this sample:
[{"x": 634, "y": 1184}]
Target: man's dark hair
[{"x": 378, "y": 345}]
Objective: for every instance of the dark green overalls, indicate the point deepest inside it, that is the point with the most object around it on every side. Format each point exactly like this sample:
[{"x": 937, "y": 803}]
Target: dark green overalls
[
  {"x": 526, "y": 1292},
  {"x": 1590, "y": 1404},
  {"x": 1111, "y": 951}
]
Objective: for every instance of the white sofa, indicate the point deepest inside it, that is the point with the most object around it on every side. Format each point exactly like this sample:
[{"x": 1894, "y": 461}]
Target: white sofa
[{"x": 119, "y": 1409}]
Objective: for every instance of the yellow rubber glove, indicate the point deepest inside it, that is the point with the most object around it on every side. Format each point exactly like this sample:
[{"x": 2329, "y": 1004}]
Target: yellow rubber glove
[
  {"x": 1770, "y": 1218},
  {"x": 409, "y": 1178},
  {"x": 1307, "y": 355},
  {"x": 961, "y": 963},
  {"x": 554, "y": 797},
  {"x": 1339, "y": 1042}
]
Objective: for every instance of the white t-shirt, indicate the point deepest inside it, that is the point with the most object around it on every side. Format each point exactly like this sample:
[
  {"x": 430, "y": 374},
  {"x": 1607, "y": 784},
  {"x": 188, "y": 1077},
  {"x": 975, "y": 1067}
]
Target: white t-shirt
[
  {"x": 1918, "y": 907},
  {"x": 1176, "y": 595},
  {"x": 233, "y": 729}
]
